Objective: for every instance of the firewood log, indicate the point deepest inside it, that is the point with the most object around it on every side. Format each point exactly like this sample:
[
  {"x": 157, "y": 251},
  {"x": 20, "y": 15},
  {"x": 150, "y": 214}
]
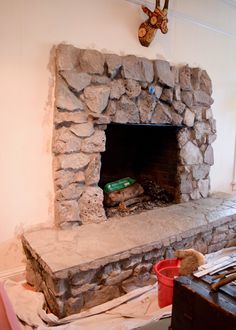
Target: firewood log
[{"x": 115, "y": 197}]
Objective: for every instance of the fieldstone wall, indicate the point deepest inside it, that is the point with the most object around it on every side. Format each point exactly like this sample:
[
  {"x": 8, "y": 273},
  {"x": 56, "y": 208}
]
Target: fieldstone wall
[
  {"x": 84, "y": 286},
  {"x": 95, "y": 89}
]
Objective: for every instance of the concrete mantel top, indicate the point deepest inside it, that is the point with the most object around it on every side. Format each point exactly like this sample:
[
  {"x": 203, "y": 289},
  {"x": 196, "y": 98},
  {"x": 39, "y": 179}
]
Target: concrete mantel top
[{"x": 94, "y": 245}]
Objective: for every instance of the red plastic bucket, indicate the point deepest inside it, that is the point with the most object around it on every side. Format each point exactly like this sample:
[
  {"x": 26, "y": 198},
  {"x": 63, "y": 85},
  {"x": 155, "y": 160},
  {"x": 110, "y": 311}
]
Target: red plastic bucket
[{"x": 166, "y": 270}]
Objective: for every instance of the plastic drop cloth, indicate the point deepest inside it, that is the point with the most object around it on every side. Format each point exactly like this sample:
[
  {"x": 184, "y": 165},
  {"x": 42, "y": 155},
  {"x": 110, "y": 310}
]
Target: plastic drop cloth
[{"x": 130, "y": 311}]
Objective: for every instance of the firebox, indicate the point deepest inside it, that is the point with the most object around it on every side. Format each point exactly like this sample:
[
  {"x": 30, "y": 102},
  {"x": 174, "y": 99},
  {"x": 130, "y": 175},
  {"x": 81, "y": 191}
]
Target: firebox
[{"x": 147, "y": 153}]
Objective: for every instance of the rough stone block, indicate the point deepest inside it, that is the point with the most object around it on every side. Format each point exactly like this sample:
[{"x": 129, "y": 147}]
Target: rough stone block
[
  {"x": 91, "y": 61},
  {"x": 67, "y": 211},
  {"x": 92, "y": 172},
  {"x": 67, "y": 57},
  {"x": 73, "y": 161},
  {"x": 91, "y": 205},
  {"x": 65, "y": 99},
  {"x": 114, "y": 63},
  {"x": 146, "y": 104},
  {"x": 100, "y": 296},
  {"x": 185, "y": 78},
  {"x": 96, "y": 97},
  {"x": 126, "y": 111},
  {"x": 137, "y": 68},
  {"x": 162, "y": 114},
  {"x": 163, "y": 73},
  {"x": 191, "y": 154},
  {"x": 76, "y": 80},
  {"x": 117, "y": 89},
  {"x": 132, "y": 88}
]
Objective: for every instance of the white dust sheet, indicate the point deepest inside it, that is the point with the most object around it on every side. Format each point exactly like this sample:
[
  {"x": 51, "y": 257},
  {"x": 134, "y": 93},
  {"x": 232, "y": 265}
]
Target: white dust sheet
[{"x": 133, "y": 310}]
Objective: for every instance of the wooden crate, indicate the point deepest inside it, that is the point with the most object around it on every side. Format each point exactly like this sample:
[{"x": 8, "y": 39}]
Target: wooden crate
[{"x": 195, "y": 307}]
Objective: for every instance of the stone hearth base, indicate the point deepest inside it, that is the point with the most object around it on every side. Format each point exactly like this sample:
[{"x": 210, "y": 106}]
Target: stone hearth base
[{"x": 83, "y": 267}]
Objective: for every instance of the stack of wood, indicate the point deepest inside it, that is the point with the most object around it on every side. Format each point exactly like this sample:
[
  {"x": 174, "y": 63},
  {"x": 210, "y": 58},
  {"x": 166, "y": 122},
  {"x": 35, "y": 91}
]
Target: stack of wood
[
  {"x": 136, "y": 198},
  {"x": 126, "y": 196}
]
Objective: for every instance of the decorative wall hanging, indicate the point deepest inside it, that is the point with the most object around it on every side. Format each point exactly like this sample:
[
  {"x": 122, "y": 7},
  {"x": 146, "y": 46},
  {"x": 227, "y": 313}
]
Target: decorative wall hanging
[{"x": 157, "y": 19}]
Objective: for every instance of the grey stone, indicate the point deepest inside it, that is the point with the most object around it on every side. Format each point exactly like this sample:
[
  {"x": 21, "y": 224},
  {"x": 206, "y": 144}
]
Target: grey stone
[
  {"x": 201, "y": 130},
  {"x": 200, "y": 171},
  {"x": 203, "y": 186},
  {"x": 92, "y": 172},
  {"x": 177, "y": 93},
  {"x": 218, "y": 237},
  {"x": 175, "y": 71},
  {"x": 212, "y": 123},
  {"x": 205, "y": 83},
  {"x": 91, "y": 205},
  {"x": 114, "y": 63},
  {"x": 163, "y": 73},
  {"x": 167, "y": 95},
  {"x": 96, "y": 97},
  {"x": 189, "y": 117},
  {"x": 111, "y": 109},
  {"x": 74, "y": 161},
  {"x": 186, "y": 185},
  {"x": 64, "y": 178},
  {"x": 126, "y": 111},
  {"x": 146, "y": 104},
  {"x": 100, "y": 120},
  {"x": 117, "y": 279},
  {"x": 185, "y": 78},
  {"x": 100, "y": 80},
  {"x": 65, "y": 99},
  {"x": 209, "y": 156},
  {"x": 162, "y": 114},
  {"x": 91, "y": 61},
  {"x": 202, "y": 98},
  {"x": 137, "y": 68},
  {"x": 200, "y": 245},
  {"x": 195, "y": 194},
  {"x": 98, "y": 297},
  {"x": 76, "y": 80},
  {"x": 211, "y": 138},
  {"x": 143, "y": 268},
  {"x": 117, "y": 89},
  {"x": 73, "y": 305},
  {"x": 198, "y": 110},
  {"x": 67, "y": 211},
  {"x": 207, "y": 114},
  {"x": 65, "y": 141},
  {"x": 183, "y": 136},
  {"x": 187, "y": 98},
  {"x": 72, "y": 191},
  {"x": 67, "y": 57},
  {"x": 158, "y": 91},
  {"x": 81, "y": 278},
  {"x": 70, "y": 117},
  {"x": 178, "y": 106},
  {"x": 176, "y": 119},
  {"x": 76, "y": 291},
  {"x": 216, "y": 247},
  {"x": 190, "y": 154},
  {"x": 132, "y": 88},
  {"x": 195, "y": 78},
  {"x": 82, "y": 130},
  {"x": 94, "y": 143}
]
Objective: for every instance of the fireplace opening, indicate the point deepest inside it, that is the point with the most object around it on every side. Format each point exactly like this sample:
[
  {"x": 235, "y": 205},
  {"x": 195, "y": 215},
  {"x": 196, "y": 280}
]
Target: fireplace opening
[{"x": 147, "y": 153}]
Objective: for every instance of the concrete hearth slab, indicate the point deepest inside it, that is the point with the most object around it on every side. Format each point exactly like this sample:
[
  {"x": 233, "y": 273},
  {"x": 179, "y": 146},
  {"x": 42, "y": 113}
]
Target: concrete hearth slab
[{"x": 94, "y": 245}]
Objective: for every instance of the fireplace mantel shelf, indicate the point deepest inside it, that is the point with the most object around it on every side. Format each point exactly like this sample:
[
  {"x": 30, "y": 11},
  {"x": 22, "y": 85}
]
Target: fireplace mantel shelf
[{"x": 94, "y": 245}]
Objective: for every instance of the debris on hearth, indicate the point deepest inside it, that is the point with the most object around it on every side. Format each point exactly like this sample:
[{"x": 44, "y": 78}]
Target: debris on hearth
[{"x": 127, "y": 196}]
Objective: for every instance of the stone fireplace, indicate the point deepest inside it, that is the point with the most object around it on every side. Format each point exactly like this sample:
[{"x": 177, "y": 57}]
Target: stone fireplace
[
  {"x": 125, "y": 116},
  {"x": 119, "y": 116}
]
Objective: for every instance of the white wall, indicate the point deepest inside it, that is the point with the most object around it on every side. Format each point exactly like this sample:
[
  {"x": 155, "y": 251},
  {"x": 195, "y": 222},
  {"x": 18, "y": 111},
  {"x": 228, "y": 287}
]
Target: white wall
[{"x": 28, "y": 31}]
